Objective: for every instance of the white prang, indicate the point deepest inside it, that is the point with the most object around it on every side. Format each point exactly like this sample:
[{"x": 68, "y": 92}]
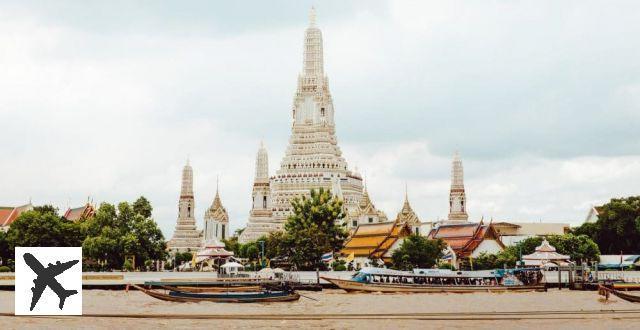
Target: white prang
[
  {"x": 313, "y": 158},
  {"x": 186, "y": 237},
  {"x": 457, "y": 197}
]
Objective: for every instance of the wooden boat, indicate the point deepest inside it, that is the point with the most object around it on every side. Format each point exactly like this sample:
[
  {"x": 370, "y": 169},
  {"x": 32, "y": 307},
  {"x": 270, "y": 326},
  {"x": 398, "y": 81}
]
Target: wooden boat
[
  {"x": 196, "y": 289},
  {"x": 606, "y": 291},
  {"x": 443, "y": 281},
  {"x": 227, "y": 297}
]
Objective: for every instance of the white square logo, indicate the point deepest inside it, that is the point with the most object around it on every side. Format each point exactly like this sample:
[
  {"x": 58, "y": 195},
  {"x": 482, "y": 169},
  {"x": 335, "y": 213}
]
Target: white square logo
[{"x": 48, "y": 281}]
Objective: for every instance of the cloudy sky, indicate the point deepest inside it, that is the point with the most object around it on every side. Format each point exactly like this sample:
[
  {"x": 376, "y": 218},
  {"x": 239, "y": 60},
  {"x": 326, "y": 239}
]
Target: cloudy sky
[{"x": 108, "y": 99}]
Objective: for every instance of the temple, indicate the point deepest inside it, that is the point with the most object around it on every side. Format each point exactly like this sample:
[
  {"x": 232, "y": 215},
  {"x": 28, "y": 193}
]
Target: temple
[
  {"x": 408, "y": 216},
  {"x": 467, "y": 240},
  {"x": 8, "y": 214},
  {"x": 80, "y": 213},
  {"x": 312, "y": 159},
  {"x": 186, "y": 237},
  {"x": 457, "y": 197},
  {"x": 261, "y": 216},
  {"x": 366, "y": 213},
  {"x": 216, "y": 221},
  {"x": 372, "y": 244}
]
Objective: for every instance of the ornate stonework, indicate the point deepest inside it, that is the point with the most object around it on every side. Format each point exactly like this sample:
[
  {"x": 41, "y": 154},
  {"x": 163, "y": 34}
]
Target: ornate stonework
[
  {"x": 261, "y": 216},
  {"x": 408, "y": 216},
  {"x": 313, "y": 158},
  {"x": 366, "y": 213},
  {"x": 457, "y": 197},
  {"x": 186, "y": 237},
  {"x": 216, "y": 221}
]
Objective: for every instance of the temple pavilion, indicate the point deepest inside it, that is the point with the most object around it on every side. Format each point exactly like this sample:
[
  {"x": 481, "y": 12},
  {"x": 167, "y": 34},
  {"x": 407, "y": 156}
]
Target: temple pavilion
[
  {"x": 468, "y": 240},
  {"x": 372, "y": 243},
  {"x": 545, "y": 253}
]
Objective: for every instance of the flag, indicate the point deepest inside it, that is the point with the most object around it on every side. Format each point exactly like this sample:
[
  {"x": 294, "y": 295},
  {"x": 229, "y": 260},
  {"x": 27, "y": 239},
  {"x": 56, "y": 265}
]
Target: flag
[
  {"x": 327, "y": 257},
  {"x": 351, "y": 257},
  {"x": 471, "y": 262},
  {"x": 193, "y": 260}
]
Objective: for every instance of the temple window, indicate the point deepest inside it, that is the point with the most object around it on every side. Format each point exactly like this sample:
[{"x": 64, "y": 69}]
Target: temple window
[
  {"x": 354, "y": 223},
  {"x": 222, "y": 231},
  {"x": 264, "y": 202},
  {"x": 189, "y": 211},
  {"x": 322, "y": 112},
  {"x": 370, "y": 220}
]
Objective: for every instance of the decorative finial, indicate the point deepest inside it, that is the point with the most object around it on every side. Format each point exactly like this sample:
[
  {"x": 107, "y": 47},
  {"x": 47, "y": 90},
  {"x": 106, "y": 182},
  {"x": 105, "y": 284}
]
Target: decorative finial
[
  {"x": 187, "y": 160},
  {"x": 406, "y": 191},
  {"x": 217, "y": 183},
  {"x": 456, "y": 155},
  {"x": 312, "y": 17}
]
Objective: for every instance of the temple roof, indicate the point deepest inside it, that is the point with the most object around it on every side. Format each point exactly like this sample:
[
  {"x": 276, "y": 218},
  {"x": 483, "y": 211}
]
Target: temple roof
[
  {"x": 78, "y": 213},
  {"x": 374, "y": 240},
  {"x": 546, "y": 252},
  {"x": 464, "y": 238},
  {"x": 8, "y": 214},
  {"x": 406, "y": 214},
  {"x": 216, "y": 211}
]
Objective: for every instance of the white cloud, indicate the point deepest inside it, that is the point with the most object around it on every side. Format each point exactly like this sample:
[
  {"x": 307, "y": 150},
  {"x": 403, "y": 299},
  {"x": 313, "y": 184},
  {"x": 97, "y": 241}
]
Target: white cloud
[{"x": 112, "y": 110}]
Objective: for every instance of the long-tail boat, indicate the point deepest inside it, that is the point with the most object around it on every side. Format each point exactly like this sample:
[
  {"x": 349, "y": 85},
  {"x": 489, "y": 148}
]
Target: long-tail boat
[
  {"x": 226, "y": 297},
  {"x": 198, "y": 289},
  {"x": 387, "y": 280},
  {"x": 606, "y": 291}
]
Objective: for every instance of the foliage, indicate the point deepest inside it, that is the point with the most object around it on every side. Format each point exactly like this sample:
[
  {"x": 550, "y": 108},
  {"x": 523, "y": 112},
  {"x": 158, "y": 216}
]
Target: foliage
[
  {"x": 182, "y": 257},
  {"x": 33, "y": 228},
  {"x": 446, "y": 265},
  {"x": 618, "y": 227},
  {"x": 339, "y": 265},
  {"x": 5, "y": 269},
  {"x": 231, "y": 244},
  {"x": 47, "y": 208},
  {"x": 5, "y": 252},
  {"x": 578, "y": 247},
  {"x": 417, "y": 252},
  {"x": 114, "y": 233},
  {"x": 312, "y": 229},
  {"x": 127, "y": 266}
]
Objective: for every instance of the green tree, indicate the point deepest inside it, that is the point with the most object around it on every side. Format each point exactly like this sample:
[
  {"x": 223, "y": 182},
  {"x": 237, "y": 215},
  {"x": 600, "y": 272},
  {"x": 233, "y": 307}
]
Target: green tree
[
  {"x": 47, "y": 208},
  {"x": 417, "y": 252},
  {"x": 5, "y": 252},
  {"x": 113, "y": 234},
  {"x": 618, "y": 227},
  {"x": 33, "y": 228},
  {"x": 580, "y": 248},
  {"x": 312, "y": 229}
]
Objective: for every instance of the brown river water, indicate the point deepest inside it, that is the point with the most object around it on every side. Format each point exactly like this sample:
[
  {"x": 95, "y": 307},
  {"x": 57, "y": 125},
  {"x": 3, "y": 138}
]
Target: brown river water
[{"x": 336, "y": 309}]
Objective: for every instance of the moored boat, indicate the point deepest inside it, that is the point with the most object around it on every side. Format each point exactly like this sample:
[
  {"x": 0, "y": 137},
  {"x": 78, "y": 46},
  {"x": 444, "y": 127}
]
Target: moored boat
[
  {"x": 227, "y": 297},
  {"x": 386, "y": 280},
  {"x": 196, "y": 289},
  {"x": 606, "y": 291}
]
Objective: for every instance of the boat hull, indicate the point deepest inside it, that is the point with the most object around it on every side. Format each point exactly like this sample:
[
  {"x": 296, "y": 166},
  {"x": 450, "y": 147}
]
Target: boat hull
[
  {"x": 193, "y": 297},
  {"x": 350, "y": 285}
]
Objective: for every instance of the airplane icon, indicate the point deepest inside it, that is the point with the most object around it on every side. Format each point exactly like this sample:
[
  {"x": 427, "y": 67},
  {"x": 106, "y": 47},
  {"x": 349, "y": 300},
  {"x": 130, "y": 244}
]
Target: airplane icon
[{"x": 46, "y": 277}]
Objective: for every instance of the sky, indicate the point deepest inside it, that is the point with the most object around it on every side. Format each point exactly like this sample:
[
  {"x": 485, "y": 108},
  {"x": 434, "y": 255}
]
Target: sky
[{"x": 107, "y": 100}]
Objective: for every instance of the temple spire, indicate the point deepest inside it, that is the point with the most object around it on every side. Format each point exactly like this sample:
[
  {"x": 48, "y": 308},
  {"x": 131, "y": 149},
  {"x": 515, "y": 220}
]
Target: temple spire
[
  {"x": 312, "y": 17},
  {"x": 457, "y": 196}
]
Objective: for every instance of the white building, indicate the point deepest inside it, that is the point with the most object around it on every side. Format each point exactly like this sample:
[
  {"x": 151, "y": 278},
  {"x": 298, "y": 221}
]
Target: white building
[
  {"x": 313, "y": 159},
  {"x": 457, "y": 196},
  {"x": 216, "y": 221},
  {"x": 186, "y": 237}
]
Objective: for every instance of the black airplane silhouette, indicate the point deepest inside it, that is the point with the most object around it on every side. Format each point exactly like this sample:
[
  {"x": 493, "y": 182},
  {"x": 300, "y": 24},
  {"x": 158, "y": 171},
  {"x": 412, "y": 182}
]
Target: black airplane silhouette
[{"x": 46, "y": 277}]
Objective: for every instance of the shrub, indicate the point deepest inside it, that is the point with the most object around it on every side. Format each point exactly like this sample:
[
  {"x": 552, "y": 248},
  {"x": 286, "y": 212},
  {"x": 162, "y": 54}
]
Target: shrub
[{"x": 5, "y": 269}]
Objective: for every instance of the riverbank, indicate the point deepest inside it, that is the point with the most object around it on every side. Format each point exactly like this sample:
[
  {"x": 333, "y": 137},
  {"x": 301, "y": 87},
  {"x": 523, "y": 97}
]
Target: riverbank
[{"x": 337, "y": 309}]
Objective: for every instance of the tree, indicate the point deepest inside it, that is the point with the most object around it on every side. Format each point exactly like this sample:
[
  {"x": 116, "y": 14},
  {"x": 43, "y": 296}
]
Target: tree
[
  {"x": 113, "y": 234},
  {"x": 312, "y": 229},
  {"x": 580, "y": 248},
  {"x": 33, "y": 228},
  {"x": 618, "y": 227},
  {"x": 417, "y": 252},
  {"x": 5, "y": 252},
  {"x": 47, "y": 208}
]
